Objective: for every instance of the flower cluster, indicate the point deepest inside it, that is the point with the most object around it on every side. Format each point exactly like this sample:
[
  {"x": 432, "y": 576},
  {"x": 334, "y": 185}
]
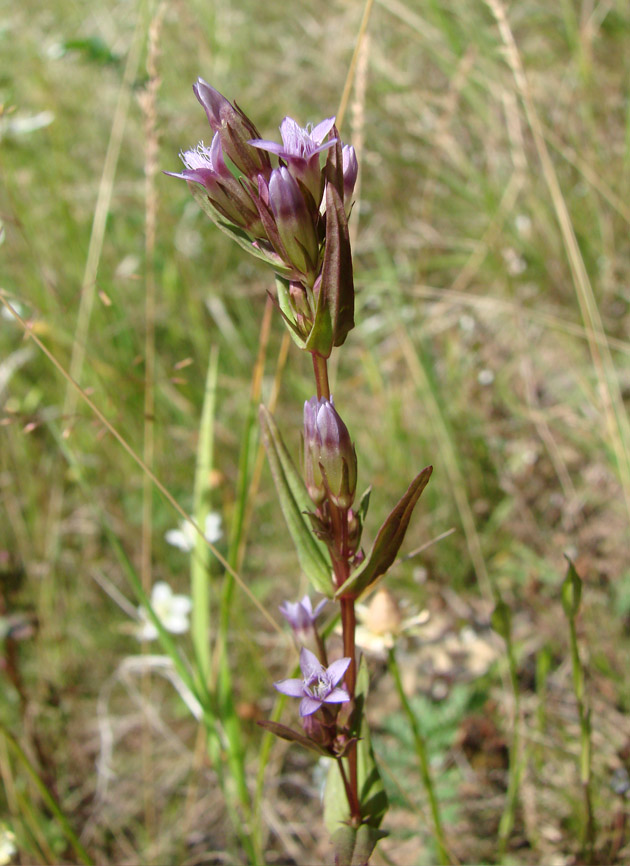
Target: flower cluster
[{"x": 294, "y": 215}]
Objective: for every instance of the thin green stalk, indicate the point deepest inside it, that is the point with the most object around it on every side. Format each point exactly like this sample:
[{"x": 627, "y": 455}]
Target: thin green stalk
[
  {"x": 423, "y": 759},
  {"x": 201, "y": 558},
  {"x": 47, "y": 797},
  {"x": 571, "y": 598},
  {"x": 502, "y": 624}
]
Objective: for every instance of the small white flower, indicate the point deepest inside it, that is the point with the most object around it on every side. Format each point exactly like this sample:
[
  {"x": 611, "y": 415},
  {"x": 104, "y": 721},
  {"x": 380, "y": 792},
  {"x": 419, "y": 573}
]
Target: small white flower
[
  {"x": 172, "y": 611},
  {"x": 485, "y": 377},
  {"x": 185, "y": 536},
  {"x": 7, "y": 845}
]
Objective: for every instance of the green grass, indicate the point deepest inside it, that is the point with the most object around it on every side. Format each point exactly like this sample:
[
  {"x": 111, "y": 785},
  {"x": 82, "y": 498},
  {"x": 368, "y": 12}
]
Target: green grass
[{"x": 488, "y": 342}]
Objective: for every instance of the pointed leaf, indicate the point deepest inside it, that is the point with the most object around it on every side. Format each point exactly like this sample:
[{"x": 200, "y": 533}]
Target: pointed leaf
[
  {"x": 294, "y": 501},
  {"x": 337, "y": 279},
  {"x": 571, "y": 591},
  {"x": 293, "y": 736},
  {"x": 390, "y": 537}
]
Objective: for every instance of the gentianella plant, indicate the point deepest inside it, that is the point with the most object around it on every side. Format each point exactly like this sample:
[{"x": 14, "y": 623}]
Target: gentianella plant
[{"x": 288, "y": 204}]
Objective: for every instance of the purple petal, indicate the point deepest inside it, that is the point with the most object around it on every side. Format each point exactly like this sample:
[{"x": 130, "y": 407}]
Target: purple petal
[
  {"x": 322, "y": 129},
  {"x": 293, "y": 136},
  {"x": 319, "y": 608},
  {"x": 337, "y": 696},
  {"x": 271, "y": 146},
  {"x": 311, "y": 666},
  {"x": 309, "y": 705},
  {"x": 293, "y": 688},
  {"x": 306, "y": 605},
  {"x": 337, "y": 670}
]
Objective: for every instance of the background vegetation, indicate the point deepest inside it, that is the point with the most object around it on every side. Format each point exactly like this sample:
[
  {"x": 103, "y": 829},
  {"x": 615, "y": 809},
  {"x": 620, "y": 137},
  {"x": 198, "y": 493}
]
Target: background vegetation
[{"x": 492, "y": 265}]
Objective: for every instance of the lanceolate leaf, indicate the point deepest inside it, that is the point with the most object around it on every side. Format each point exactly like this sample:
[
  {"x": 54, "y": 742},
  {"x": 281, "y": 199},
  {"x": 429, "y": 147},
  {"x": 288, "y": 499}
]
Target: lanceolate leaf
[
  {"x": 390, "y": 537},
  {"x": 337, "y": 279},
  {"x": 294, "y": 501},
  {"x": 293, "y": 737}
]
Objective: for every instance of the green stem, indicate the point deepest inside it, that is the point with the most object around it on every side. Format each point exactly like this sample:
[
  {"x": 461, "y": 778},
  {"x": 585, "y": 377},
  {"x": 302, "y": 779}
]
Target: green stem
[
  {"x": 423, "y": 759},
  {"x": 506, "y": 823},
  {"x": 588, "y": 825}
]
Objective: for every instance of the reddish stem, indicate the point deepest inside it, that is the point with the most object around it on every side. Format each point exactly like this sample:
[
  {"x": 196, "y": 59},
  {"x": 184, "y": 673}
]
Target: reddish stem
[
  {"x": 341, "y": 567},
  {"x": 320, "y": 368}
]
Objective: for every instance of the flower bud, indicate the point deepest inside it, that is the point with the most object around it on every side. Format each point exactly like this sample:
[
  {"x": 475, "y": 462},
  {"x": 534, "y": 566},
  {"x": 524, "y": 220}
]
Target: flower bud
[
  {"x": 294, "y": 222},
  {"x": 337, "y": 457},
  {"x": 350, "y": 172},
  {"x": 235, "y": 129},
  {"x": 312, "y": 473}
]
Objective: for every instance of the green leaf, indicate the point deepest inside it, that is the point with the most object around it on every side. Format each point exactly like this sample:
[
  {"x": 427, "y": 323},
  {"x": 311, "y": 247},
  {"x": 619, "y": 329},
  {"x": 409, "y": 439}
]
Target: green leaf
[
  {"x": 390, "y": 537},
  {"x": 294, "y": 501},
  {"x": 571, "y": 591},
  {"x": 354, "y": 845}
]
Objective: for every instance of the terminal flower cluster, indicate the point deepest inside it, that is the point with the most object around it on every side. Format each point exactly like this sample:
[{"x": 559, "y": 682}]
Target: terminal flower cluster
[{"x": 293, "y": 215}]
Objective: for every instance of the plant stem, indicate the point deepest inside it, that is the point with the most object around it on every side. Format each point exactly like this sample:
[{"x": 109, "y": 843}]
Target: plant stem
[
  {"x": 423, "y": 758},
  {"x": 341, "y": 568},
  {"x": 506, "y": 823},
  {"x": 588, "y": 826},
  {"x": 320, "y": 368}
]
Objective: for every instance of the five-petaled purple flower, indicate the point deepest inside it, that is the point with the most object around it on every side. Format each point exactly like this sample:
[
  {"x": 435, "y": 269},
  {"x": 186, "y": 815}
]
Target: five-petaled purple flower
[
  {"x": 300, "y": 149},
  {"x": 300, "y": 614},
  {"x": 319, "y": 684}
]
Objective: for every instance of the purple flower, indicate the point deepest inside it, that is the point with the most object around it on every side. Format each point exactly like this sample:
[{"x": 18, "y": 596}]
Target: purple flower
[
  {"x": 206, "y": 166},
  {"x": 319, "y": 684},
  {"x": 300, "y": 149},
  {"x": 300, "y": 614}
]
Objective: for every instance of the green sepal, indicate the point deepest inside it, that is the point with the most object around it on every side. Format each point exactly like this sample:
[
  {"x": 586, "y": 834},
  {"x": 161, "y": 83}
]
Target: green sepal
[
  {"x": 294, "y": 501},
  {"x": 237, "y": 234},
  {"x": 364, "y": 504},
  {"x": 387, "y": 544},
  {"x": 320, "y": 338},
  {"x": 286, "y": 310},
  {"x": 571, "y": 591},
  {"x": 372, "y": 796}
]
